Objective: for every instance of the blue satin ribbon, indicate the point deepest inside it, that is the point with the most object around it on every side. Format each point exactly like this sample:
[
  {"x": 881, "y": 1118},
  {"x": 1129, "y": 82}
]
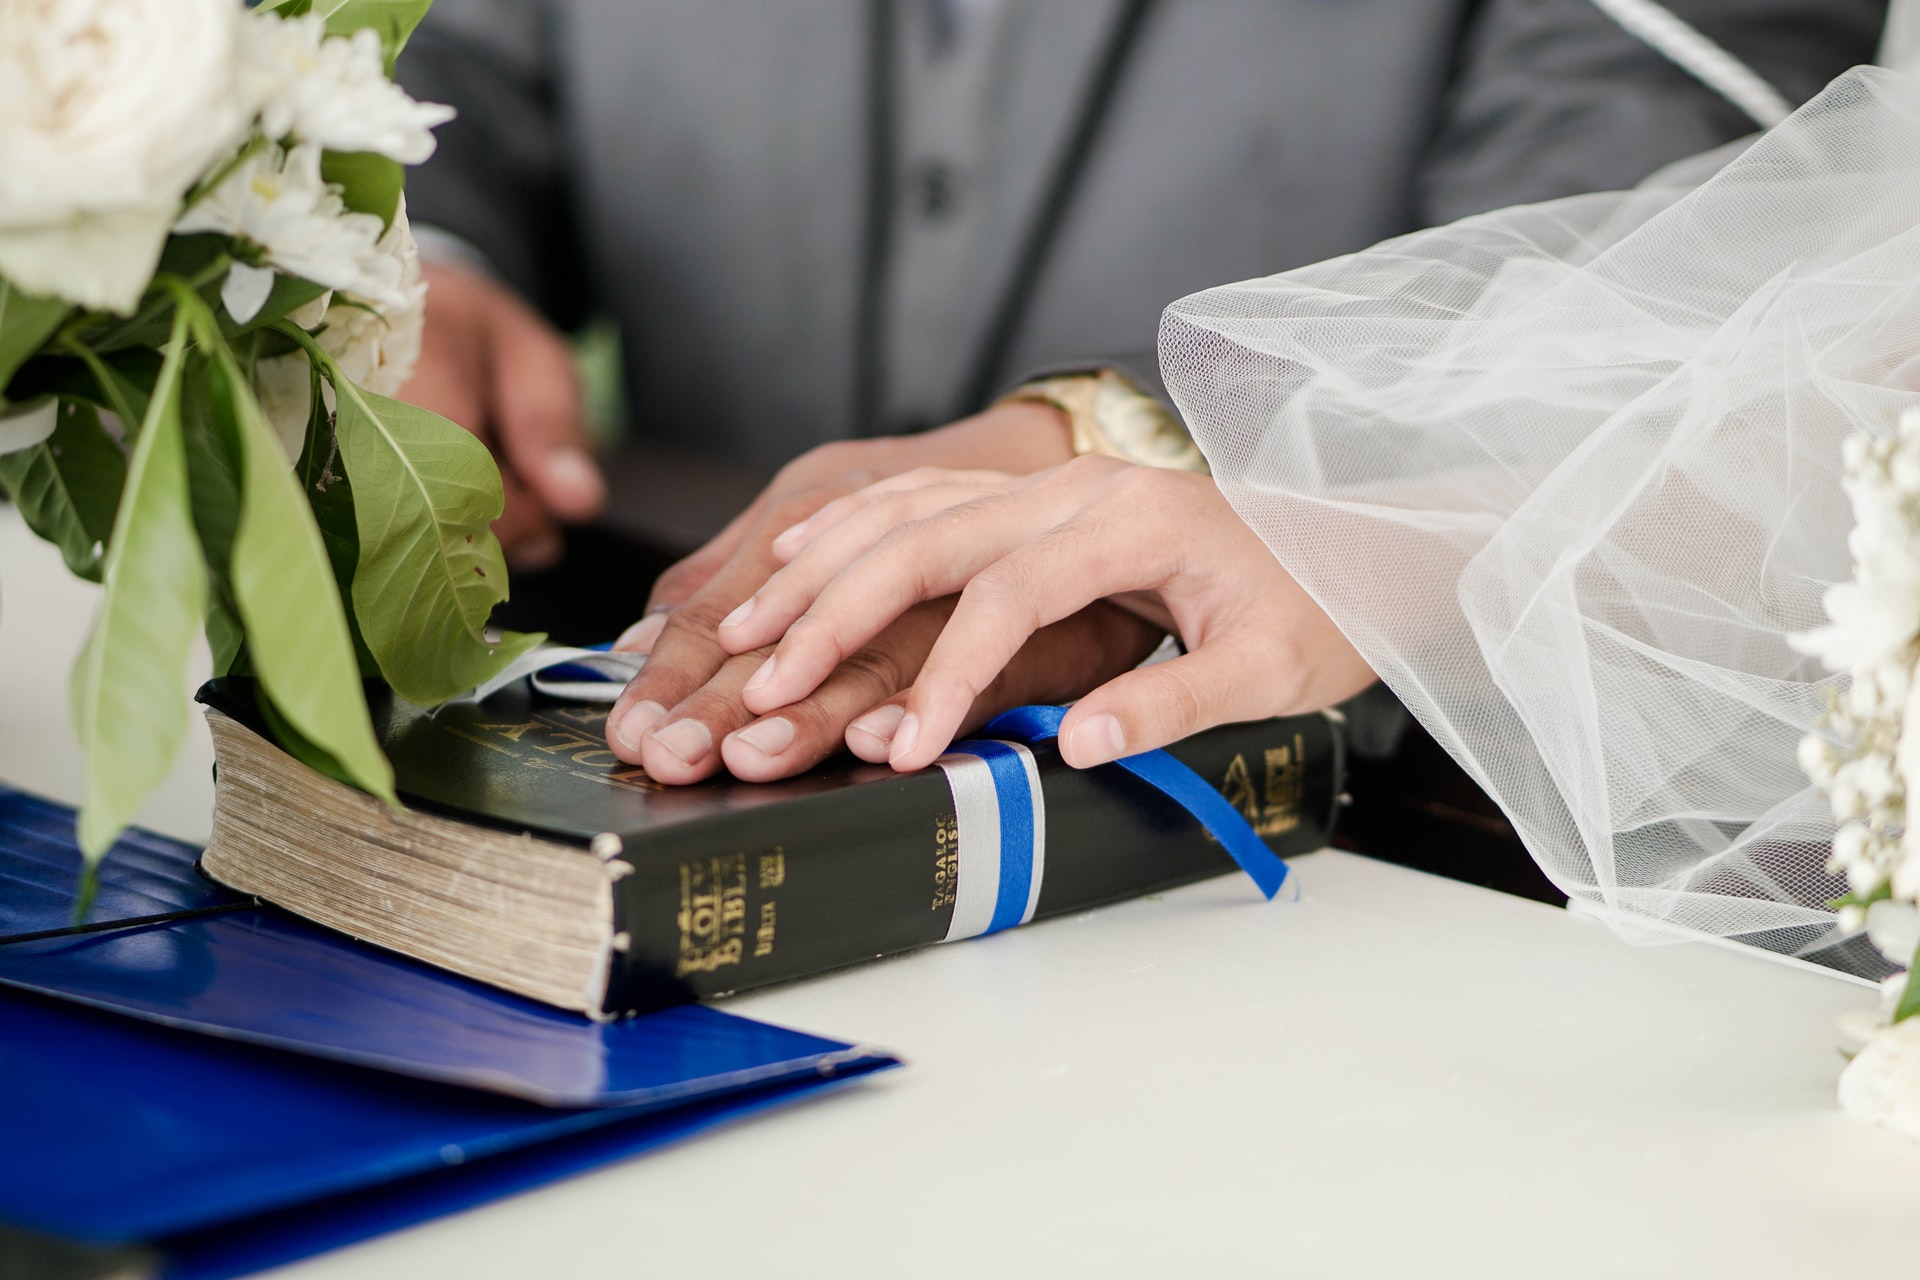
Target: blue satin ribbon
[
  {"x": 1017, "y": 803},
  {"x": 1163, "y": 773}
]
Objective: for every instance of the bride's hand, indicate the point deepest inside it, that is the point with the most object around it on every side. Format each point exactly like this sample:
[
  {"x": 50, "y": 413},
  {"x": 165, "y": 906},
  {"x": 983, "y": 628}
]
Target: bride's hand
[{"x": 1026, "y": 551}]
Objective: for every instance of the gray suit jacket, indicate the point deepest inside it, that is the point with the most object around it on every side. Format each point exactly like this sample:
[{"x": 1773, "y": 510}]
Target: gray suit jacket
[{"x": 700, "y": 170}]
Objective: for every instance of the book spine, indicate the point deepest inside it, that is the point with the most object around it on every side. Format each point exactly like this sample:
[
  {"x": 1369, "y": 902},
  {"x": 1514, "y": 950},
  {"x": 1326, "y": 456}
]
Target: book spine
[{"x": 731, "y": 902}]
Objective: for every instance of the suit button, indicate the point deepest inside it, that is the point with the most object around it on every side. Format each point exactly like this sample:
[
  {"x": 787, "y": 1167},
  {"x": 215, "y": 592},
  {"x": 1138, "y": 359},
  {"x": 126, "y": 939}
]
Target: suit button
[{"x": 936, "y": 191}]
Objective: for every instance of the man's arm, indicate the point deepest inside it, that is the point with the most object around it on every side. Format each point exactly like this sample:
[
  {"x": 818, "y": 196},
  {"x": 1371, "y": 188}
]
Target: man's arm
[{"x": 1553, "y": 97}]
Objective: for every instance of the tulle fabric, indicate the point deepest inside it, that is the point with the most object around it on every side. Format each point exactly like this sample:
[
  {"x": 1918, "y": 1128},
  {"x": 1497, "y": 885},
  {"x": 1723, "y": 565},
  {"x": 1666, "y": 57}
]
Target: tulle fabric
[{"x": 1568, "y": 476}]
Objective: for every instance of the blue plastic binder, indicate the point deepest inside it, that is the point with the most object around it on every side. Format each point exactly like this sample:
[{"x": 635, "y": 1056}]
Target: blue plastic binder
[{"x": 239, "y": 1089}]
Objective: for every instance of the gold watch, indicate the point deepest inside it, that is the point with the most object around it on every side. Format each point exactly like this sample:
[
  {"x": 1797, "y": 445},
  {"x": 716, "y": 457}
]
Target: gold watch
[{"x": 1112, "y": 417}]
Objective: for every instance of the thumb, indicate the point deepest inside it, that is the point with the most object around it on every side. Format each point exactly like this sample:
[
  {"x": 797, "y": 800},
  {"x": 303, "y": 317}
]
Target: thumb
[
  {"x": 537, "y": 417},
  {"x": 1152, "y": 706}
]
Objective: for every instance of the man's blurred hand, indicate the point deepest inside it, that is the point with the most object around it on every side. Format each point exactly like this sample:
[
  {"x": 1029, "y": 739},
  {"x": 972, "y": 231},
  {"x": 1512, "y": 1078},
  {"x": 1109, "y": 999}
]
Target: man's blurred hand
[{"x": 491, "y": 364}]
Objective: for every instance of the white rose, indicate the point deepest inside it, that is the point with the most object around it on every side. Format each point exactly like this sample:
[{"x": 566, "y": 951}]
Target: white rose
[
  {"x": 111, "y": 110},
  {"x": 1882, "y": 1083}
]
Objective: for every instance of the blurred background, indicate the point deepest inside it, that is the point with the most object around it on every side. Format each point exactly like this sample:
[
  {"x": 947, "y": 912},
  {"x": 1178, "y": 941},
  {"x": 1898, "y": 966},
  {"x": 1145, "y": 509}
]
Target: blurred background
[{"x": 769, "y": 224}]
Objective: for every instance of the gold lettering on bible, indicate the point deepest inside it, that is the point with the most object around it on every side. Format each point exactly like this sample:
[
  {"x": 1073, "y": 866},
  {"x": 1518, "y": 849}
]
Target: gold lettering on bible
[
  {"x": 564, "y": 741},
  {"x": 946, "y": 860},
  {"x": 763, "y": 936},
  {"x": 1275, "y": 809},
  {"x": 713, "y": 914}
]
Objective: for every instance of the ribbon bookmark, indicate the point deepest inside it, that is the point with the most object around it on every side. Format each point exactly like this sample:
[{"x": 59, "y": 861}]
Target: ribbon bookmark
[
  {"x": 1171, "y": 778},
  {"x": 593, "y": 674}
]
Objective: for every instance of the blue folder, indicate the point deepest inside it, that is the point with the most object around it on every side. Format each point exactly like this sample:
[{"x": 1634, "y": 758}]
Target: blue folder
[{"x": 239, "y": 1089}]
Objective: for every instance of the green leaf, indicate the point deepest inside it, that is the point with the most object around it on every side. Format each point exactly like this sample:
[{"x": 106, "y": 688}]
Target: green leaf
[
  {"x": 213, "y": 464},
  {"x": 225, "y": 637},
  {"x": 119, "y": 383},
  {"x": 129, "y": 690},
  {"x": 68, "y": 486},
  {"x": 430, "y": 569},
  {"x": 368, "y": 181},
  {"x": 123, "y": 385},
  {"x": 394, "y": 20},
  {"x": 201, "y": 259},
  {"x": 25, "y": 323},
  {"x": 323, "y": 478},
  {"x": 296, "y": 629},
  {"x": 1909, "y": 994}
]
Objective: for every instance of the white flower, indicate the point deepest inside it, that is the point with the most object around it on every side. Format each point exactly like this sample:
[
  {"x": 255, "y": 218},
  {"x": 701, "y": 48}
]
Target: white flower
[
  {"x": 1818, "y": 759},
  {"x": 275, "y": 200},
  {"x": 285, "y": 391},
  {"x": 378, "y": 352},
  {"x": 1872, "y": 622},
  {"x": 110, "y": 111},
  {"x": 23, "y": 428},
  {"x": 333, "y": 92},
  {"x": 1882, "y": 1083},
  {"x": 1894, "y": 930},
  {"x": 246, "y": 290},
  {"x": 375, "y": 348}
]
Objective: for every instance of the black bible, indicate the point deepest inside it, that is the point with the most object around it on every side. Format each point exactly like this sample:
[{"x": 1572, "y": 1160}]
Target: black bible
[{"x": 530, "y": 857}]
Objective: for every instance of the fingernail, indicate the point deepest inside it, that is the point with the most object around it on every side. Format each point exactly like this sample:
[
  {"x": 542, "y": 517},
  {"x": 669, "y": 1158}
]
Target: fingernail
[
  {"x": 690, "y": 740},
  {"x": 904, "y": 735},
  {"x": 633, "y": 726},
  {"x": 789, "y": 538},
  {"x": 574, "y": 475},
  {"x": 740, "y": 614},
  {"x": 768, "y": 737},
  {"x": 764, "y": 674},
  {"x": 880, "y": 724},
  {"x": 535, "y": 553},
  {"x": 640, "y": 637},
  {"x": 1098, "y": 739}
]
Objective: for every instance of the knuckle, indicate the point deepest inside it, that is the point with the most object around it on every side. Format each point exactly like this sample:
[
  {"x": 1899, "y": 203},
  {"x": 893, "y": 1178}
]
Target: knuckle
[
  {"x": 878, "y": 669},
  {"x": 926, "y": 475},
  {"x": 677, "y": 580},
  {"x": 824, "y": 462},
  {"x": 791, "y": 508},
  {"x": 1140, "y": 487},
  {"x": 900, "y": 546},
  {"x": 835, "y": 455},
  {"x": 1174, "y": 700},
  {"x": 1088, "y": 467},
  {"x": 695, "y": 622},
  {"x": 1004, "y": 591},
  {"x": 813, "y": 634}
]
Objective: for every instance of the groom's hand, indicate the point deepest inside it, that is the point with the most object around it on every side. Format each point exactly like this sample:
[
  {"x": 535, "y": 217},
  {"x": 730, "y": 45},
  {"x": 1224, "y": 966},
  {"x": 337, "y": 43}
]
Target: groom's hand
[
  {"x": 677, "y": 711},
  {"x": 489, "y": 362}
]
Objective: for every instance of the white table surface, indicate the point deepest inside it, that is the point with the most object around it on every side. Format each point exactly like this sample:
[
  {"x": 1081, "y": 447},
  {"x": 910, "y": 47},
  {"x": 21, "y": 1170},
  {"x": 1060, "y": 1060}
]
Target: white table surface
[{"x": 1398, "y": 1075}]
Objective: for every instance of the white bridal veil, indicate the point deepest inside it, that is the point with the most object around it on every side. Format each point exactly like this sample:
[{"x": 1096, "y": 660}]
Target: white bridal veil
[{"x": 1568, "y": 476}]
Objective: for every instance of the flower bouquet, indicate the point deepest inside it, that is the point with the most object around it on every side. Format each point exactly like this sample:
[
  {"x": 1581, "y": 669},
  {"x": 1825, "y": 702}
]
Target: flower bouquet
[
  {"x": 208, "y": 293},
  {"x": 1868, "y": 761}
]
